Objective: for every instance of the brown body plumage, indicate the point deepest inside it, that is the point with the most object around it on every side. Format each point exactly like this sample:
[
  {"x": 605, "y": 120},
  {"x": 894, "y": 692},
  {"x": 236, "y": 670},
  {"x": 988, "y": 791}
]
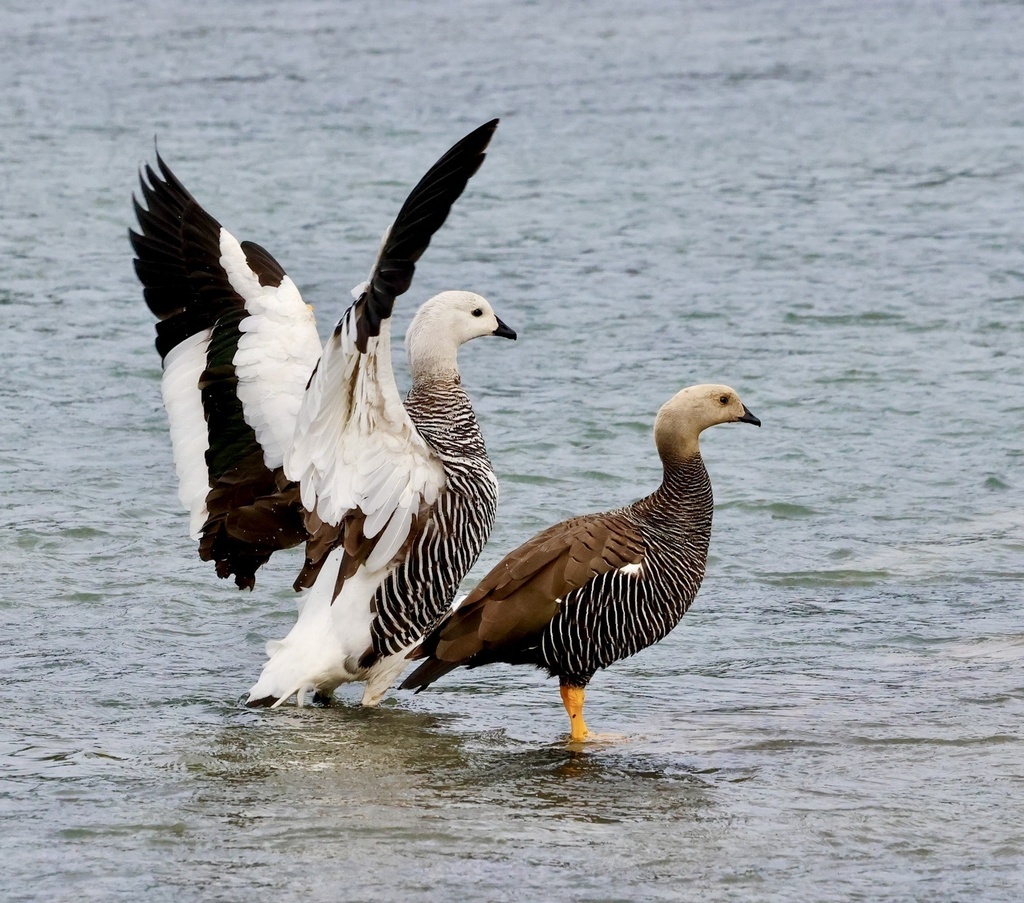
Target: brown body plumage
[{"x": 595, "y": 589}]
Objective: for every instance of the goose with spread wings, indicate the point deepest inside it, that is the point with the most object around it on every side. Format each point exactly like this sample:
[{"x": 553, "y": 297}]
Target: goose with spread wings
[{"x": 278, "y": 441}]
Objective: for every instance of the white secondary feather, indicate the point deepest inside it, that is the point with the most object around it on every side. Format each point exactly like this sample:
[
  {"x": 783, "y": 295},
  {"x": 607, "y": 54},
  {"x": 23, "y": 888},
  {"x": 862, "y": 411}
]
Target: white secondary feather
[
  {"x": 355, "y": 446},
  {"x": 277, "y": 351},
  {"x": 183, "y": 399}
]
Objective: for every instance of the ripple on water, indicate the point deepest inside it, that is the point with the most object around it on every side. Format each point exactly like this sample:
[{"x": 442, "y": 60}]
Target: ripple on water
[{"x": 828, "y": 578}]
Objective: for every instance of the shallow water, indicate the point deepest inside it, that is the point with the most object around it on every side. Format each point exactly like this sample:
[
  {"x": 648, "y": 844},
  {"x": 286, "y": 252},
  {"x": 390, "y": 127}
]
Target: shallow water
[{"x": 816, "y": 203}]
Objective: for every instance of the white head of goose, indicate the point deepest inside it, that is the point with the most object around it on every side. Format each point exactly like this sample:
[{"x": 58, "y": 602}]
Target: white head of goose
[
  {"x": 278, "y": 441},
  {"x": 441, "y": 326},
  {"x": 596, "y": 589}
]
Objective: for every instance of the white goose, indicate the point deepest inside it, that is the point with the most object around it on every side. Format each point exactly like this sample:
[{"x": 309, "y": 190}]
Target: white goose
[{"x": 277, "y": 441}]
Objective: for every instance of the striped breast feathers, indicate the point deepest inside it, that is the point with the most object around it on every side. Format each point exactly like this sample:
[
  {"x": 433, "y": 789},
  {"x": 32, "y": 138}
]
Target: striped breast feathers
[{"x": 513, "y": 604}]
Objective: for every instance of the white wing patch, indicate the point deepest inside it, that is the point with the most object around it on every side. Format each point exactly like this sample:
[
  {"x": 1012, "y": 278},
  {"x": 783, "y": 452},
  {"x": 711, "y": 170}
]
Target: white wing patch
[
  {"x": 183, "y": 366},
  {"x": 632, "y": 570},
  {"x": 356, "y": 448},
  {"x": 277, "y": 351}
]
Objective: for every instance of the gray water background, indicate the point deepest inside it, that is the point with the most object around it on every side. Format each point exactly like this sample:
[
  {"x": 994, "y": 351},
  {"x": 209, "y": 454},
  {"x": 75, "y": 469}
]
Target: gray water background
[{"x": 819, "y": 203}]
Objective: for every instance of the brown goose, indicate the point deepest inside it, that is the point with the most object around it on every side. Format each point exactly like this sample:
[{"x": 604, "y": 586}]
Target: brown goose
[{"x": 595, "y": 589}]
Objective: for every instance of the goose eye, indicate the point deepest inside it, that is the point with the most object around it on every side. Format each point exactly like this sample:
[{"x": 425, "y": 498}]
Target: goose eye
[
  {"x": 724, "y": 399},
  {"x": 478, "y": 312}
]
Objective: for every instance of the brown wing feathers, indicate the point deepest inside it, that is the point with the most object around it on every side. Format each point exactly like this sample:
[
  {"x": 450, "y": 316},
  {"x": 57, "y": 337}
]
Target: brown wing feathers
[
  {"x": 503, "y": 617},
  {"x": 253, "y": 511},
  {"x": 325, "y": 538}
]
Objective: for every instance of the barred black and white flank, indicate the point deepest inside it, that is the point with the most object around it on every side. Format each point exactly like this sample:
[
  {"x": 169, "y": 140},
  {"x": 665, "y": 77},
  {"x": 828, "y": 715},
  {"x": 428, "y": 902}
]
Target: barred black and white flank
[
  {"x": 277, "y": 441},
  {"x": 595, "y": 589}
]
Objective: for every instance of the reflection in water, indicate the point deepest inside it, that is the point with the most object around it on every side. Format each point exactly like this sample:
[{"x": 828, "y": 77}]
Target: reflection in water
[
  {"x": 420, "y": 798},
  {"x": 353, "y": 759}
]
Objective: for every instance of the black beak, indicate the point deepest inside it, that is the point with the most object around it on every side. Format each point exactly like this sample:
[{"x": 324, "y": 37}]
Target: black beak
[
  {"x": 504, "y": 331},
  {"x": 748, "y": 417}
]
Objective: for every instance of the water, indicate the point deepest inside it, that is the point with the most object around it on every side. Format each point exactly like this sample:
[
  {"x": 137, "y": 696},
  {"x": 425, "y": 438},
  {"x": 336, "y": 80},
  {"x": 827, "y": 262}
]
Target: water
[{"x": 817, "y": 203}]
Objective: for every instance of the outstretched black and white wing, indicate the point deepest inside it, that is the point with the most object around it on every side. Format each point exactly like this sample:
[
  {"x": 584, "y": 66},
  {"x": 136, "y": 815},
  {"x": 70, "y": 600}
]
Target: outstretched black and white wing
[
  {"x": 362, "y": 466},
  {"x": 238, "y": 346}
]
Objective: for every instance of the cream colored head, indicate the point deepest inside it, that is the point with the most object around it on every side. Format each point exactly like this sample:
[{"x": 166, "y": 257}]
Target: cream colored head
[
  {"x": 688, "y": 413},
  {"x": 442, "y": 325}
]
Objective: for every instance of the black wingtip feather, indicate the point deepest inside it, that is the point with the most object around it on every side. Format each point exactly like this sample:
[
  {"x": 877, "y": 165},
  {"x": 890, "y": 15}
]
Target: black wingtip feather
[{"x": 423, "y": 213}]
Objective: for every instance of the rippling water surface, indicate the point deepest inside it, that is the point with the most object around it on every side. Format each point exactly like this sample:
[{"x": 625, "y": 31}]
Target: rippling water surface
[{"x": 819, "y": 203}]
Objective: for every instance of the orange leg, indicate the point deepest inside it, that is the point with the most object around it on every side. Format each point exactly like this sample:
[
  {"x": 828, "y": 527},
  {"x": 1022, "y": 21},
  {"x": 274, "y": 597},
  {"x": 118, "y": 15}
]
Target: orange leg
[{"x": 572, "y": 699}]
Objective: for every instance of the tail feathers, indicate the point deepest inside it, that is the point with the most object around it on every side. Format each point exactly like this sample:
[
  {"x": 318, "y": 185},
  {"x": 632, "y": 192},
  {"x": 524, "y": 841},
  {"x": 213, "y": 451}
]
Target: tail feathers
[
  {"x": 257, "y": 701},
  {"x": 299, "y": 691},
  {"x": 287, "y": 674},
  {"x": 427, "y": 673},
  {"x": 270, "y": 693}
]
